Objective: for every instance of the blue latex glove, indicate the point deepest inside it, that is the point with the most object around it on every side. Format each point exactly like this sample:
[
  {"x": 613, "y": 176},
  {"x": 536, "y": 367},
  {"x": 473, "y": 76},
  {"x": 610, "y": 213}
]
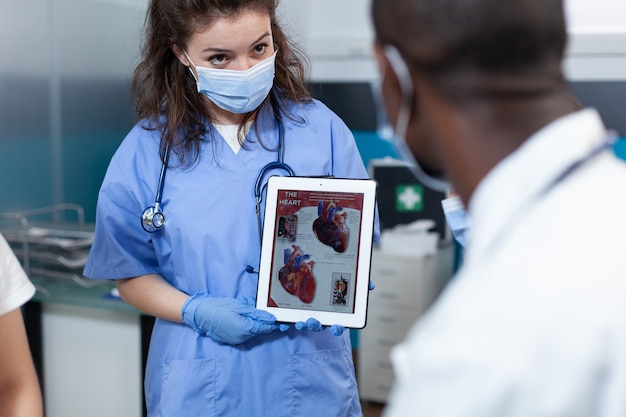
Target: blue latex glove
[
  {"x": 226, "y": 320},
  {"x": 315, "y": 326},
  {"x": 283, "y": 327}
]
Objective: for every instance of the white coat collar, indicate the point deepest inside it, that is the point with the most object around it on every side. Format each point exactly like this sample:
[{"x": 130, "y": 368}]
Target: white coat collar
[{"x": 514, "y": 184}]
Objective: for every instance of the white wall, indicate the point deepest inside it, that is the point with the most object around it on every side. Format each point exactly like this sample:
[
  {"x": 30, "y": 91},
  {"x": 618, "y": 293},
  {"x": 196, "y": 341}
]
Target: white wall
[
  {"x": 597, "y": 48},
  {"x": 336, "y": 35},
  {"x": 72, "y": 38},
  {"x": 596, "y": 16}
]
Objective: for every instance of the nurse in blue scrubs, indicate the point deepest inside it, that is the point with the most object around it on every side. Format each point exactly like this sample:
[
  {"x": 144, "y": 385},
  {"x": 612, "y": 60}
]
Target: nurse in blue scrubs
[{"x": 176, "y": 222}]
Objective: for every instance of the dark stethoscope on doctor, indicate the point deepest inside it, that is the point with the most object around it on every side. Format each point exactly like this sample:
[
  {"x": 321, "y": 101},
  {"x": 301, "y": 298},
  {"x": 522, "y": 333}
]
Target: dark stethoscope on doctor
[{"x": 153, "y": 218}]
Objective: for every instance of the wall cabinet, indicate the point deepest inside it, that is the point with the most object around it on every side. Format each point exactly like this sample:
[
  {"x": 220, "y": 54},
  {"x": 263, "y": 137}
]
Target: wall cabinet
[
  {"x": 92, "y": 362},
  {"x": 89, "y": 349}
]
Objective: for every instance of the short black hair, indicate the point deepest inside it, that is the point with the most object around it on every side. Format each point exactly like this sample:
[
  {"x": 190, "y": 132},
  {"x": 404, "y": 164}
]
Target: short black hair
[{"x": 485, "y": 36}]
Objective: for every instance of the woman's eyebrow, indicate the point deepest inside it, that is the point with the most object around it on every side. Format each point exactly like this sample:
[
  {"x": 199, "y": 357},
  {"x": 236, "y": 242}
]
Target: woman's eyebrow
[
  {"x": 222, "y": 50},
  {"x": 215, "y": 49},
  {"x": 266, "y": 34}
]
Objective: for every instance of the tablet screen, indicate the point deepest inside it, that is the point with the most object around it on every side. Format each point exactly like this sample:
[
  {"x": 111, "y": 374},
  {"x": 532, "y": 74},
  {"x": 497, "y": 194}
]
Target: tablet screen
[{"x": 316, "y": 252}]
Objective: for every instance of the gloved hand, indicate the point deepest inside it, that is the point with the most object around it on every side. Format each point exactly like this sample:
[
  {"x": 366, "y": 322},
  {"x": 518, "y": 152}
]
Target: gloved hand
[
  {"x": 226, "y": 320},
  {"x": 314, "y": 325},
  {"x": 283, "y": 327}
]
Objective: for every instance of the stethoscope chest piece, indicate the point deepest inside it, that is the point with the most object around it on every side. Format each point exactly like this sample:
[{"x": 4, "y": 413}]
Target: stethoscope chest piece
[{"x": 152, "y": 219}]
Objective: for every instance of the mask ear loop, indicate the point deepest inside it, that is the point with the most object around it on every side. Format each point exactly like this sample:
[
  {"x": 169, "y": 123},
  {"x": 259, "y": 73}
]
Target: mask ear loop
[
  {"x": 406, "y": 85},
  {"x": 193, "y": 74}
]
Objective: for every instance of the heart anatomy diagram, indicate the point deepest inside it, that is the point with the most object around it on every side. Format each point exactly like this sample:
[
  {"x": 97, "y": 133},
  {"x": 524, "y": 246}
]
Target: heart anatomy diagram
[
  {"x": 330, "y": 226},
  {"x": 296, "y": 276}
]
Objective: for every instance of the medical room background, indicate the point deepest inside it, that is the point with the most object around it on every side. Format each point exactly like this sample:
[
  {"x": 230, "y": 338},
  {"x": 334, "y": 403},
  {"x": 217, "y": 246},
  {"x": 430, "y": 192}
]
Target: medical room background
[{"x": 65, "y": 71}]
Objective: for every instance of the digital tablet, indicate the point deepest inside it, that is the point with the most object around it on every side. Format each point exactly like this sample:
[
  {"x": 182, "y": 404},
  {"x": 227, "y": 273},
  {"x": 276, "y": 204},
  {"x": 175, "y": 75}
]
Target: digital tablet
[{"x": 316, "y": 250}]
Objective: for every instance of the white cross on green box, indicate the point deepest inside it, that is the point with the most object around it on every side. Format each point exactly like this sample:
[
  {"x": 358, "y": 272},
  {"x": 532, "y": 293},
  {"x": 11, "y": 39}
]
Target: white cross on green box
[{"x": 409, "y": 198}]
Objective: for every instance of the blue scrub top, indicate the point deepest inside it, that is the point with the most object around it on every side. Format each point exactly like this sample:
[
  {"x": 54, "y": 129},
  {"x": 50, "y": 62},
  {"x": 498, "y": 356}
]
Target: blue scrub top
[{"x": 209, "y": 238}]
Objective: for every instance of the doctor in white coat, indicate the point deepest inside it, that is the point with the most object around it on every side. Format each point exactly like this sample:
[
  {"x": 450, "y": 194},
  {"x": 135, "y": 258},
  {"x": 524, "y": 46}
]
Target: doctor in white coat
[{"x": 534, "y": 324}]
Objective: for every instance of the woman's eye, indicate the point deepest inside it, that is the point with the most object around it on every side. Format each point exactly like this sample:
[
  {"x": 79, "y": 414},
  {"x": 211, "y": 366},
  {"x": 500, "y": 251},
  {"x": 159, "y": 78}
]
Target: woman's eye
[
  {"x": 217, "y": 59},
  {"x": 260, "y": 49}
]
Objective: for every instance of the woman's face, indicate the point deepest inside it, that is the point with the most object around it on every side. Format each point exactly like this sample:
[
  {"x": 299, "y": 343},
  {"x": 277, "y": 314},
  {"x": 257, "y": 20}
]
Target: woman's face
[{"x": 236, "y": 43}]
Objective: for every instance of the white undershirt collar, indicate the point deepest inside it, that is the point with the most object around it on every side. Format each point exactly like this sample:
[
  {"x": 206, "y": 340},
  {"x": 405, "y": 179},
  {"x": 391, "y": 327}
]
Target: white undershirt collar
[{"x": 230, "y": 134}]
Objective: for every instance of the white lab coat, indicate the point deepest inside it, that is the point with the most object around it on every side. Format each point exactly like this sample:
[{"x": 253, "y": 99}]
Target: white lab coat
[{"x": 534, "y": 324}]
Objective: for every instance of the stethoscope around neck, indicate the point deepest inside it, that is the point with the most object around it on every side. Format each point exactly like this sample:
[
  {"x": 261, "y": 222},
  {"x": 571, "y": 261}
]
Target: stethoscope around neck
[{"x": 153, "y": 219}]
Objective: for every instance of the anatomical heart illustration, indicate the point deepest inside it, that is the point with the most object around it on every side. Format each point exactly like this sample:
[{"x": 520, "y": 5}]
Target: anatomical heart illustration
[
  {"x": 296, "y": 276},
  {"x": 330, "y": 226}
]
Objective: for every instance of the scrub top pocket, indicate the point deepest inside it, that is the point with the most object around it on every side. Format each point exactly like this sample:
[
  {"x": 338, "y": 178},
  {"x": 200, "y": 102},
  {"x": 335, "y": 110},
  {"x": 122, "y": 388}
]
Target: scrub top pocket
[
  {"x": 187, "y": 384},
  {"x": 321, "y": 378}
]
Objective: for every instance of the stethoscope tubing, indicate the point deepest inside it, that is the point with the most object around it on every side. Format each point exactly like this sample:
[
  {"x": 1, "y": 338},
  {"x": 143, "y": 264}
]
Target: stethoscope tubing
[
  {"x": 609, "y": 142},
  {"x": 153, "y": 219},
  {"x": 279, "y": 164},
  {"x": 157, "y": 199}
]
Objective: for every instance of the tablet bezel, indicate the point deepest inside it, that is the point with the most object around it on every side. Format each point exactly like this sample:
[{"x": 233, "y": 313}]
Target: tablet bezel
[{"x": 358, "y": 317}]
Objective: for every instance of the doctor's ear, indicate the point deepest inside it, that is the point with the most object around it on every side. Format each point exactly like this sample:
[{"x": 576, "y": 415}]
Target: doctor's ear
[
  {"x": 181, "y": 55},
  {"x": 396, "y": 65},
  {"x": 384, "y": 66},
  {"x": 391, "y": 90}
]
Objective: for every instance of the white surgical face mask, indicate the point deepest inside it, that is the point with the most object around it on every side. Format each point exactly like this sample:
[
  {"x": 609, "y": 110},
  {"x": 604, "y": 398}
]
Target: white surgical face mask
[
  {"x": 238, "y": 92},
  {"x": 456, "y": 216},
  {"x": 399, "y": 132}
]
